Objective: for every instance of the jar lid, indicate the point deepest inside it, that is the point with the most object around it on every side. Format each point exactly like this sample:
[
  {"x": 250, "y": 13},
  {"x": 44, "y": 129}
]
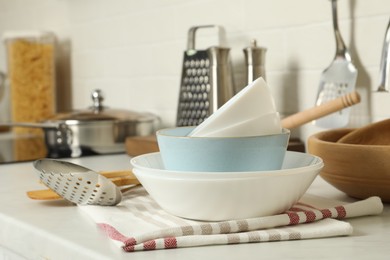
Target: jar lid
[{"x": 10, "y": 35}]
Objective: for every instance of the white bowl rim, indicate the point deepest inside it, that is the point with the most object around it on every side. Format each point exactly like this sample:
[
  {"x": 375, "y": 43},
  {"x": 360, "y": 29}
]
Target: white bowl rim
[{"x": 317, "y": 164}]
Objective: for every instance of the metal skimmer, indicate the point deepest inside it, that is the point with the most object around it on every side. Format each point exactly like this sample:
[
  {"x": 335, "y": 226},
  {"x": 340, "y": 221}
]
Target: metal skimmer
[
  {"x": 77, "y": 184},
  {"x": 336, "y": 80}
]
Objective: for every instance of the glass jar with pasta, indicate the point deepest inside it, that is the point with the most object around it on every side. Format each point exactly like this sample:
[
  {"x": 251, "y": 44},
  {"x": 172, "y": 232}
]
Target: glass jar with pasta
[{"x": 31, "y": 75}]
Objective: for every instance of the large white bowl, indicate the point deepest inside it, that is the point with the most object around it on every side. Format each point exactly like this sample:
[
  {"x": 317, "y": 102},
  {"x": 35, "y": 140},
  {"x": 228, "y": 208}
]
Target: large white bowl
[{"x": 216, "y": 196}]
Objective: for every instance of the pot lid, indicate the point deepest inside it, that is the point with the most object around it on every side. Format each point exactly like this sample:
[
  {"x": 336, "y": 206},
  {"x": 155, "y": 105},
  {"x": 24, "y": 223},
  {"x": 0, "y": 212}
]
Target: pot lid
[{"x": 98, "y": 112}]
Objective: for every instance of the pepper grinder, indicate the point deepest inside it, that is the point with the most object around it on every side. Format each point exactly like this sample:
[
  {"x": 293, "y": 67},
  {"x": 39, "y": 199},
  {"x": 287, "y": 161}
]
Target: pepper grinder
[{"x": 254, "y": 61}]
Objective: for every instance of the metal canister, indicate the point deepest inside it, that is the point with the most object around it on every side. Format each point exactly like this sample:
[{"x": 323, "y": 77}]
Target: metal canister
[{"x": 254, "y": 61}]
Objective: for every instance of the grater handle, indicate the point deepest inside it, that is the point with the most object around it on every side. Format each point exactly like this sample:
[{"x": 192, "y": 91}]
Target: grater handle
[{"x": 192, "y": 31}]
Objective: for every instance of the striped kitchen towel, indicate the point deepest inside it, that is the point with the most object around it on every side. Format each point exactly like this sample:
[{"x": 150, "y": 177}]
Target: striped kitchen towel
[{"x": 138, "y": 223}]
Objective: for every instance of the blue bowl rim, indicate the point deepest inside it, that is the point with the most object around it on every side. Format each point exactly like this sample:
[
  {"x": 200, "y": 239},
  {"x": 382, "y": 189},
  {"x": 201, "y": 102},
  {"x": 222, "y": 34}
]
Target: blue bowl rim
[{"x": 285, "y": 131}]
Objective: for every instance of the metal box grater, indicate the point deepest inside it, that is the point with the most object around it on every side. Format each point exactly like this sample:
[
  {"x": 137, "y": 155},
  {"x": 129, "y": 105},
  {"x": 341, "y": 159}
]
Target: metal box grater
[{"x": 206, "y": 82}]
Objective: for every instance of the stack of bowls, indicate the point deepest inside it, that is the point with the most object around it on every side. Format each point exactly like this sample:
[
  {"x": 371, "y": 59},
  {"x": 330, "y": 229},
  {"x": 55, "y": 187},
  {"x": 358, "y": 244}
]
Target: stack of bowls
[
  {"x": 234, "y": 165},
  {"x": 223, "y": 178}
]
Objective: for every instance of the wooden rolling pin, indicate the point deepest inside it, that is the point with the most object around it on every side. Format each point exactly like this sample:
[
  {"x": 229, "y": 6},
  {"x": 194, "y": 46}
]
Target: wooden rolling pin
[{"x": 147, "y": 144}]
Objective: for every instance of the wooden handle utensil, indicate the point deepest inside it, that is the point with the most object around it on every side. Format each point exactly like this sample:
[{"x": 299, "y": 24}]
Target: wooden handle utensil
[
  {"x": 120, "y": 178},
  {"x": 372, "y": 134},
  {"x": 327, "y": 108}
]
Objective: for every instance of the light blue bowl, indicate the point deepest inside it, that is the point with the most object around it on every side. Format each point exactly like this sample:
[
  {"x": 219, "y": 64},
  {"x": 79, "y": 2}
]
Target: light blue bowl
[{"x": 221, "y": 154}]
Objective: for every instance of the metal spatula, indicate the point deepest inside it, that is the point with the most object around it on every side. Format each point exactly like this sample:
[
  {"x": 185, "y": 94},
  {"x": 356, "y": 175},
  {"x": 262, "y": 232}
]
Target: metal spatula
[{"x": 336, "y": 80}]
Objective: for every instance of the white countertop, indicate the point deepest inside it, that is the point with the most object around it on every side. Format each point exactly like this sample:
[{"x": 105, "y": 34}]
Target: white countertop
[{"x": 59, "y": 230}]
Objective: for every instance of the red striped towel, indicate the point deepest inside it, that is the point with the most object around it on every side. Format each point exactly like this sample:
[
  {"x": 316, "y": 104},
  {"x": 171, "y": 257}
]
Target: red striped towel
[{"x": 138, "y": 223}]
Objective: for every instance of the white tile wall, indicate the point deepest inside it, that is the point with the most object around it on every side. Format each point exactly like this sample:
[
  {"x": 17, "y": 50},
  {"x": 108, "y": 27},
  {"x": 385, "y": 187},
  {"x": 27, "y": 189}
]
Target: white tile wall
[{"x": 133, "y": 49}]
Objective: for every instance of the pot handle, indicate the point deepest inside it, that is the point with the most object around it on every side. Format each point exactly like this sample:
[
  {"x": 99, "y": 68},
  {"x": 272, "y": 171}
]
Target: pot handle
[
  {"x": 64, "y": 133},
  {"x": 34, "y": 125}
]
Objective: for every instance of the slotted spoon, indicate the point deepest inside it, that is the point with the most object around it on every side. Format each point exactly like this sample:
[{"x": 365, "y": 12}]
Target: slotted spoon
[
  {"x": 77, "y": 184},
  {"x": 336, "y": 80},
  {"x": 125, "y": 180}
]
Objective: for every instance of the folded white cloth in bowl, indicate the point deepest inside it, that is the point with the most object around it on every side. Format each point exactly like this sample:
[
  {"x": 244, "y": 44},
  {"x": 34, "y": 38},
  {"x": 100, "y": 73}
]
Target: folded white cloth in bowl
[{"x": 138, "y": 223}]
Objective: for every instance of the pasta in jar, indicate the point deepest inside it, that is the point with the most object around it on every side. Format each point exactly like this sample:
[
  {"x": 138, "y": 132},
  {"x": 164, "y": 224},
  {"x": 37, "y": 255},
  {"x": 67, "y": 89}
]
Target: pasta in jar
[{"x": 31, "y": 69}]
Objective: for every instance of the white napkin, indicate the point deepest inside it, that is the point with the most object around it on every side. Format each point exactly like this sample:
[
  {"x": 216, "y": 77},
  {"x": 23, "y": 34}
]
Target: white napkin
[
  {"x": 138, "y": 223},
  {"x": 251, "y": 111}
]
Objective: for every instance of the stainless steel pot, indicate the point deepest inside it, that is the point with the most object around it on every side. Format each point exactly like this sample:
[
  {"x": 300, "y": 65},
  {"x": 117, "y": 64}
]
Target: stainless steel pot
[{"x": 96, "y": 130}]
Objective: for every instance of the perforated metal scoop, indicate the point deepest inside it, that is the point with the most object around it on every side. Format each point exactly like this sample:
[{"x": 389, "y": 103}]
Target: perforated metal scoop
[
  {"x": 337, "y": 80},
  {"x": 77, "y": 184}
]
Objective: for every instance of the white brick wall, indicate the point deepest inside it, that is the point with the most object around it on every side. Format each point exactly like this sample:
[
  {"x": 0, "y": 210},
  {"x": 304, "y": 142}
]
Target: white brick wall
[{"x": 133, "y": 49}]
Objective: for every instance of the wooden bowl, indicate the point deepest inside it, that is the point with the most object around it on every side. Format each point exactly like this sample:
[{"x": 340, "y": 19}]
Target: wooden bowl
[{"x": 360, "y": 171}]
